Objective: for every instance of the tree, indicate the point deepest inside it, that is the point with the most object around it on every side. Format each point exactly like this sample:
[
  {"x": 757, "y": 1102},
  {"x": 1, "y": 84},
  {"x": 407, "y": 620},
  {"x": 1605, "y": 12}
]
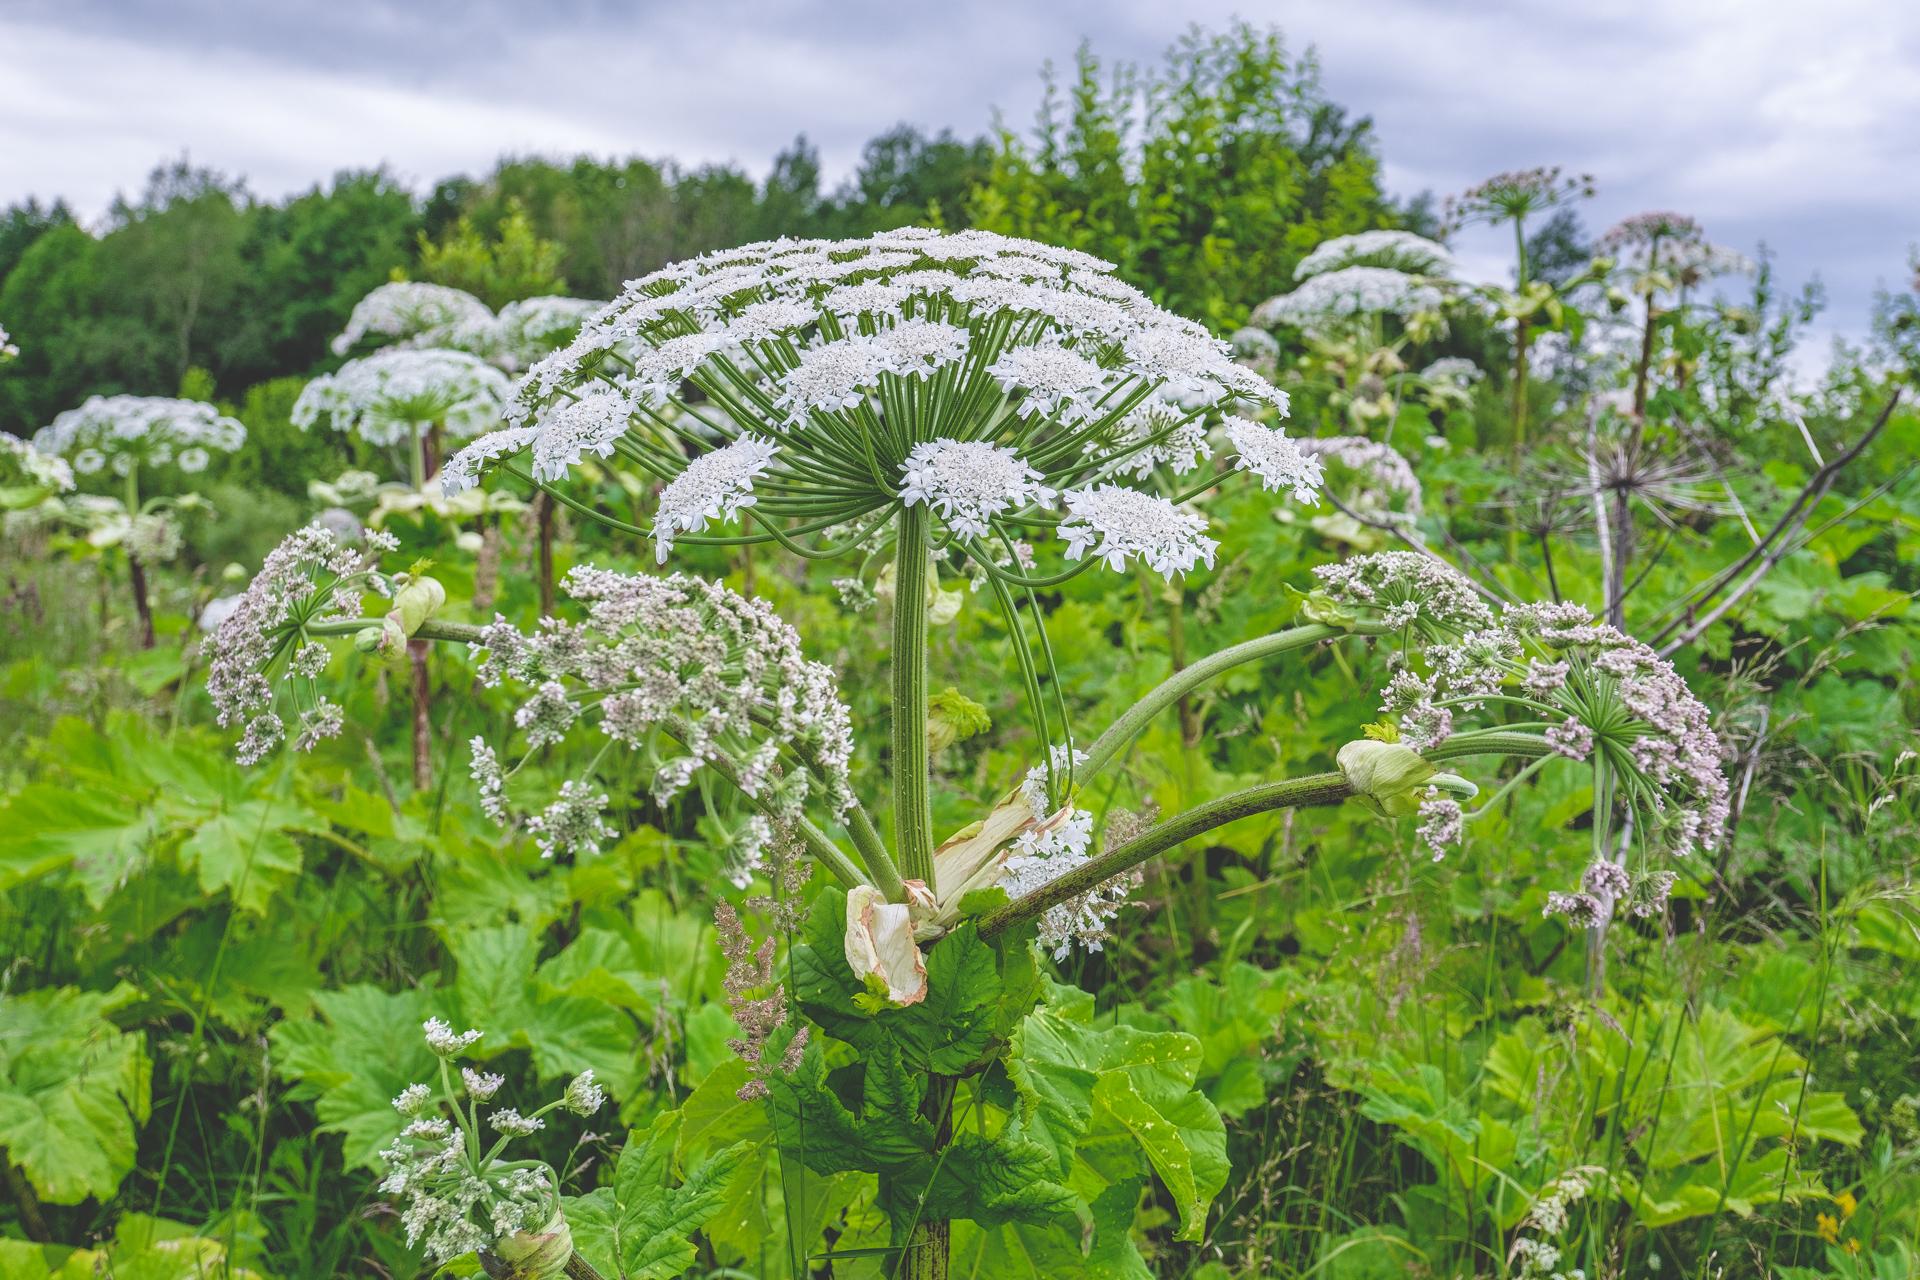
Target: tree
[
  {"x": 515, "y": 263},
  {"x": 1205, "y": 179},
  {"x": 22, "y": 224}
]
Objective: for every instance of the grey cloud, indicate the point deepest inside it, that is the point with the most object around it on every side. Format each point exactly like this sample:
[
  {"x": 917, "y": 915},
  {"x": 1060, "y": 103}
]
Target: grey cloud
[{"x": 1771, "y": 121}]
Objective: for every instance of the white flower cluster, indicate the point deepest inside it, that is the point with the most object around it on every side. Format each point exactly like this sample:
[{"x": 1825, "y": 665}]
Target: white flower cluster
[
  {"x": 400, "y": 394},
  {"x": 459, "y": 1194},
  {"x": 679, "y": 670},
  {"x": 41, "y": 470},
  {"x": 413, "y": 313},
  {"x": 410, "y": 314},
  {"x": 1347, "y": 292},
  {"x": 128, "y": 432},
  {"x": 1378, "y": 480},
  {"x": 715, "y": 486},
  {"x": 1398, "y": 250},
  {"x": 310, "y": 577},
  {"x": 1054, "y": 843},
  {"x": 1457, "y": 371},
  {"x": 969, "y": 482},
  {"x": 528, "y": 328},
  {"x": 8, "y": 351},
  {"x": 825, "y": 381}
]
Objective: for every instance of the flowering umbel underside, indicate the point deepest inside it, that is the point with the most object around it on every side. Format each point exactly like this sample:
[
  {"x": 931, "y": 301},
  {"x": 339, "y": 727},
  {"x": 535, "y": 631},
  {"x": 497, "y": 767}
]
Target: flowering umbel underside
[{"x": 825, "y": 386}]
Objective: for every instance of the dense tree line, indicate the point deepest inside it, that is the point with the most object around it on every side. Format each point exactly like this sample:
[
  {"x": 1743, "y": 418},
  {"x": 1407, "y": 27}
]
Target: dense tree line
[{"x": 1205, "y": 178}]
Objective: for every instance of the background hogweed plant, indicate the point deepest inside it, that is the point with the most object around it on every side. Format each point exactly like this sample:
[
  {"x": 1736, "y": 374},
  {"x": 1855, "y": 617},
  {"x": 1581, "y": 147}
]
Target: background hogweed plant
[{"x": 1013, "y": 411}]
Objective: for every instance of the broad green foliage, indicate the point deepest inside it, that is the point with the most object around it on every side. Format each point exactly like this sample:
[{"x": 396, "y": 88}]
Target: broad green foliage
[
  {"x": 142, "y": 1248},
  {"x": 637, "y": 1228},
  {"x": 74, "y": 1089}
]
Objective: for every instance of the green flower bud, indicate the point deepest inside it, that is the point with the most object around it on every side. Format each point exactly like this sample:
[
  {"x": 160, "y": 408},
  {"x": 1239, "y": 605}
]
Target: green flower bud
[
  {"x": 953, "y": 717},
  {"x": 1391, "y": 778},
  {"x": 1386, "y": 777},
  {"x": 384, "y": 638},
  {"x": 416, "y": 601},
  {"x": 1318, "y": 606},
  {"x": 537, "y": 1255}
]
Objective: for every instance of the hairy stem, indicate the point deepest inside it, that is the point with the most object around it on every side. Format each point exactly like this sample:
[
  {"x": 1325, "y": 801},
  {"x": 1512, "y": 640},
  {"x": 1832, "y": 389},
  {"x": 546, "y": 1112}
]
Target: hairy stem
[
  {"x": 1317, "y": 788},
  {"x": 912, "y": 805},
  {"x": 422, "y": 687},
  {"x": 543, "y": 507},
  {"x": 1289, "y": 793}
]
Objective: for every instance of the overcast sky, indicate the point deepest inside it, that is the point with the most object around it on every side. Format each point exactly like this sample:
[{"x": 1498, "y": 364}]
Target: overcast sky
[{"x": 1784, "y": 122}]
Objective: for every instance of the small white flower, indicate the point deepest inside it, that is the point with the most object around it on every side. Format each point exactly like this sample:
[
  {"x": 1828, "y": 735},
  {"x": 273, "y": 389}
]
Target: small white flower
[
  {"x": 715, "y": 486},
  {"x": 969, "y": 482},
  {"x": 481, "y": 1084},
  {"x": 1116, "y": 523},
  {"x": 1276, "y": 458},
  {"x": 1053, "y": 381},
  {"x": 413, "y": 1099},
  {"x": 583, "y": 1097},
  {"x": 443, "y": 1040},
  {"x": 511, "y": 1122}
]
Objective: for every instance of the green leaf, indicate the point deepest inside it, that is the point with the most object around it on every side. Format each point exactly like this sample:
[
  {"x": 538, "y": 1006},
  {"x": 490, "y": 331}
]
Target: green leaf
[
  {"x": 637, "y": 1229},
  {"x": 245, "y": 852},
  {"x": 1182, "y": 1134},
  {"x": 73, "y": 1089},
  {"x": 1074, "y": 1079},
  {"x": 360, "y": 1052},
  {"x": 46, "y": 827}
]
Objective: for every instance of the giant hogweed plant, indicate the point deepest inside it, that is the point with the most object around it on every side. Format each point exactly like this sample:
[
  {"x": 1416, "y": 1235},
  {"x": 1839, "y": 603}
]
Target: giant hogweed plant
[{"x": 1012, "y": 406}]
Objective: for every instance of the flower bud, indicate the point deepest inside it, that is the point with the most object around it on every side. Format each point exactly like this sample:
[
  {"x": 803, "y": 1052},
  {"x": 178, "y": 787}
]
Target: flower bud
[
  {"x": 880, "y": 947},
  {"x": 537, "y": 1255},
  {"x": 953, "y": 717},
  {"x": 385, "y": 638},
  {"x": 416, "y": 601},
  {"x": 1391, "y": 778}
]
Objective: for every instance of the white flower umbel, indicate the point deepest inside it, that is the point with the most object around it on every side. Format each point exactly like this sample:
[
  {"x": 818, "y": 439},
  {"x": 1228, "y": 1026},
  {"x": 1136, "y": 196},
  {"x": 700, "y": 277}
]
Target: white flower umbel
[
  {"x": 1398, "y": 250},
  {"x": 1347, "y": 292},
  {"x": 1116, "y": 524},
  {"x": 413, "y": 313},
  {"x": 715, "y": 486},
  {"x": 969, "y": 482},
  {"x": 27, "y": 467},
  {"x": 529, "y": 328},
  {"x": 8, "y": 349},
  {"x": 1276, "y": 458},
  {"x": 128, "y": 432},
  {"x": 400, "y": 395},
  {"x": 842, "y": 361}
]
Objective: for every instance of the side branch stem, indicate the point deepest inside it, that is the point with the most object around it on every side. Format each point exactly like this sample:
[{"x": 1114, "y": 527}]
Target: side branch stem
[{"x": 1135, "y": 719}]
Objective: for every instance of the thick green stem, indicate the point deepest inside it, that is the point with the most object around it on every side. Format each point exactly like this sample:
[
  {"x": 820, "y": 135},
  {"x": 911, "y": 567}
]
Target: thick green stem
[
  {"x": 1289, "y": 793},
  {"x": 912, "y": 805},
  {"x": 1176, "y": 686},
  {"x": 1317, "y": 788}
]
